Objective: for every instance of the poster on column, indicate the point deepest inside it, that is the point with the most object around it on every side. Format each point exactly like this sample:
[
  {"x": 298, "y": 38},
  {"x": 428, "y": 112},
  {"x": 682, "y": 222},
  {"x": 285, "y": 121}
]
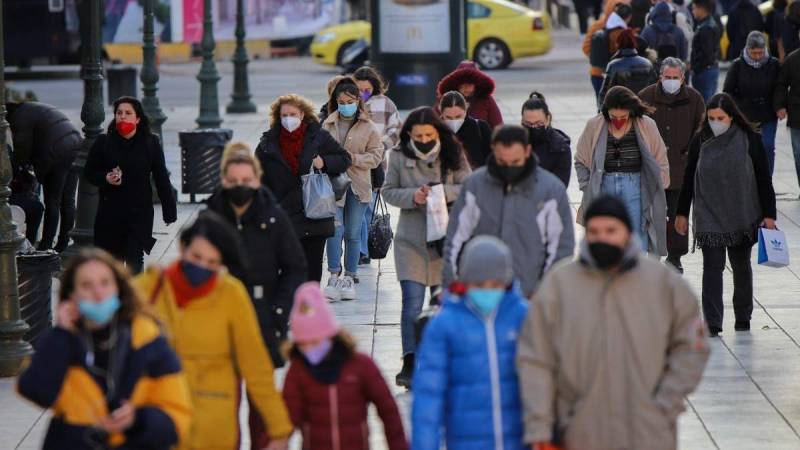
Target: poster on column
[
  {"x": 415, "y": 26},
  {"x": 123, "y": 21}
]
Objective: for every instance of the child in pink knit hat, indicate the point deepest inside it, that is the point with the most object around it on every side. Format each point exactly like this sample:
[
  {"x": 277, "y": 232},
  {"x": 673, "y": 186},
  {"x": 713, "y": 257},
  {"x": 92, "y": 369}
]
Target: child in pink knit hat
[{"x": 329, "y": 385}]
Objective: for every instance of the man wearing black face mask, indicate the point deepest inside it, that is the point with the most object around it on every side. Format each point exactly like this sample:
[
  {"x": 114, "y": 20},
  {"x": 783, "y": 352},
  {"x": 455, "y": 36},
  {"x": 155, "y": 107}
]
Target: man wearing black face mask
[
  {"x": 633, "y": 322},
  {"x": 522, "y": 204}
]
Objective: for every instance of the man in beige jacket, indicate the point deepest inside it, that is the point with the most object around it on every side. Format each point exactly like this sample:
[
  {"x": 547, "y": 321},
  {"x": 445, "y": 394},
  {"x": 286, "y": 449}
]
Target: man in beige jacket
[{"x": 611, "y": 346}]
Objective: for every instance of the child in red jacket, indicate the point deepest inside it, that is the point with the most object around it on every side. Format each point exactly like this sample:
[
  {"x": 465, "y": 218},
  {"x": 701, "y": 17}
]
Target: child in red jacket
[{"x": 329, "y": 386}]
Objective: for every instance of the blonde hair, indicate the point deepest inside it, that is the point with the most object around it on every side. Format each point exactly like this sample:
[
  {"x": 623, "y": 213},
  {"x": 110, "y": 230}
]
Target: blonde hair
[
  {"x": 301, "y": 103},
  {"x": 238, "y": 152}
]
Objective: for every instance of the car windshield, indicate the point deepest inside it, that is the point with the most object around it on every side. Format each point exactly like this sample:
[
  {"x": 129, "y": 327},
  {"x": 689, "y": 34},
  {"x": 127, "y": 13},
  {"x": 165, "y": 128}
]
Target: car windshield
[{"x": 510, "y": 5}]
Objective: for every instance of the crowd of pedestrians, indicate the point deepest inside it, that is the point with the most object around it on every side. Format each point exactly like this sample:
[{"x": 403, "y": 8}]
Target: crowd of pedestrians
[{"x": 532, "y": 344}]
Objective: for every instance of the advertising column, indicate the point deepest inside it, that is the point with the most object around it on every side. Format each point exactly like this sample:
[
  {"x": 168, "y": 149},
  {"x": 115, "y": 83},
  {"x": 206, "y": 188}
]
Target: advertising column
[{"x": 415, "y": 44}]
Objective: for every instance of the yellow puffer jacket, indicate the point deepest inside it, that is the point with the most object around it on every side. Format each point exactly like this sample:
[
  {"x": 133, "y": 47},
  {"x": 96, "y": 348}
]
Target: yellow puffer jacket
[{"x": 219, "y": 342}]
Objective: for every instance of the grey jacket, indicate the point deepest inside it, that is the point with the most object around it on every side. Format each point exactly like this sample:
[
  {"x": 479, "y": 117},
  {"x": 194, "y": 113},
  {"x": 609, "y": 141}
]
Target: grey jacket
[
  {"x": 533, "y": 218},
  {"x": 606, "y": 360},
  {"x": 414, "y": 260}
]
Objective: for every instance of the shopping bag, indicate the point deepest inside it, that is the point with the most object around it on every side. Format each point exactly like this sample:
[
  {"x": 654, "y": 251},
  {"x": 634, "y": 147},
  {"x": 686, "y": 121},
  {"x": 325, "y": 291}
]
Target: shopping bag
[
  {"x": 772, "y": 248},
  {"x": 380, "y": 235},
  {"x": 319, "y": 201},
  {"x": 437, "y": 215}
]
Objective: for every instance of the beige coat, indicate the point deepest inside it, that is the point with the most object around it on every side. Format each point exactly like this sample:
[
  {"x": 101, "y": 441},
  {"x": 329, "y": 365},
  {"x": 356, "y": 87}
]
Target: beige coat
[
  {"x": 363, "y": 143},
  {"x": 413, "y": 259},
  {"x": 607, "y": 360}
]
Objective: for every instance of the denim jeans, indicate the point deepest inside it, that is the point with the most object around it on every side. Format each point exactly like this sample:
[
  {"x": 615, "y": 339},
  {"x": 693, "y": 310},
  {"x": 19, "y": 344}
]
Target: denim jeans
[
  {"x": 794, "y": 133},
  {"x": 597, "y": 84},
  {"x": 706, "y": 82},
  {"x": 365, "y": 225},
  {"x": 348, "y": 227},
  {"x": 768, "y": 131},
  {"x": 628, "y": 187},
  {"x": 413, "y": 300}
]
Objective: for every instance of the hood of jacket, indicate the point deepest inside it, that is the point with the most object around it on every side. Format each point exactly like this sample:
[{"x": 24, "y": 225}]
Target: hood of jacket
[
  {"x": 484, "y": 84},
  {"x": 662, "y": 17}
]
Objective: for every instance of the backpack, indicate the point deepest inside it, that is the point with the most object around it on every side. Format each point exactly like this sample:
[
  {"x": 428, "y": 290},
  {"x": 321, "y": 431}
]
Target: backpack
[
  {"x": 665, "y": 45},
  {"x": 599, "y": 51}
]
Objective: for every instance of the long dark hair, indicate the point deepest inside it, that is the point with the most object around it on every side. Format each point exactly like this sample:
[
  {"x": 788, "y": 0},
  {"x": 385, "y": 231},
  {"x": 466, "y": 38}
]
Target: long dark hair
[
  {"x": 726, "y": 103},
  {"x": 620, "y": 97},
  {"x": 130, "y": 304},
  {"x": 452, "y": 99},
  {"x": 222, "y": 236},
  {"x": 144, "y": 122},
  {"x": 451, "y": 151},
  {"x": 367, "y": 73},
  {"x": 346, "y": 85},
  {"x": 535, "y": 102}
]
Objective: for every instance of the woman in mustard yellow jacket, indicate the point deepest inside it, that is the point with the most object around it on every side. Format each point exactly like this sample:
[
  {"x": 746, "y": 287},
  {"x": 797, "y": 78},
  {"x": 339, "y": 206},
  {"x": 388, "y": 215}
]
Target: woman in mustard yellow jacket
[
  {"x": 212, "y": 325},
  {"x": 105, "y": 370}
]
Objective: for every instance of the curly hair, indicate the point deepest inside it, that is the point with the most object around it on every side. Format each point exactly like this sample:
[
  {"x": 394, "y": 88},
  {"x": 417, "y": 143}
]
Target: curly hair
[{"x": 299, "y": 102}]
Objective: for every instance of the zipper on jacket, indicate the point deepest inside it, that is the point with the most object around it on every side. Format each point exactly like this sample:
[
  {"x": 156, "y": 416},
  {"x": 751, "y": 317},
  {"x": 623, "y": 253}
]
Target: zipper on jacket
[
  {"x": 494, "y": 375},
  {"x": 333, "y": 398}
]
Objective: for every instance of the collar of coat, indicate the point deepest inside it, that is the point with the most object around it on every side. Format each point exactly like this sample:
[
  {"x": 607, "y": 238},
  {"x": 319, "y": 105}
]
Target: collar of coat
[
  {"x": 681, "y": 97},
  {"x": 259, "y": 213}
]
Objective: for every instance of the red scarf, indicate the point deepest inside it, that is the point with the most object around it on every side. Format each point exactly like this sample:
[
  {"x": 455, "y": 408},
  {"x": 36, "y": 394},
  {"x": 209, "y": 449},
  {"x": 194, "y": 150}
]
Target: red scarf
[
  {"x": 291, "y": 145},
  {"x": 185, "y": 292}
]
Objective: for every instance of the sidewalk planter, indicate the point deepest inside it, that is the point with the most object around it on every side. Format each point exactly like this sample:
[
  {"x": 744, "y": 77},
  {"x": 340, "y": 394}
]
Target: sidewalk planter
[
  {"x": 35, "y": 283},
  {"x": 201, "y": 152},
  {"x": 121, "y": 82}
]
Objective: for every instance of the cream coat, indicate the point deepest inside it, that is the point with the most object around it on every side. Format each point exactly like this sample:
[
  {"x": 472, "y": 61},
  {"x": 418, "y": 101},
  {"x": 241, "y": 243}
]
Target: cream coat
[{"x": 363, "y": 143}]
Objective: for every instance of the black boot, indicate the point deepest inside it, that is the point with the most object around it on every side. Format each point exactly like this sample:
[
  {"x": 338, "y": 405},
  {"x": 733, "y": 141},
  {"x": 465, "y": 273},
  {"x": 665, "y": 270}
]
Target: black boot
[
  {"x": 675, "y": 261},
  {"x": 403, "y": 378},
  {"x": 742, "y": 325}
]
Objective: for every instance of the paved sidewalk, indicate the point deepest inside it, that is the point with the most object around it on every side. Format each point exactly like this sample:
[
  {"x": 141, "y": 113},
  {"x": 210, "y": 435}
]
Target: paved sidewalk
[{"x": 748, "y": 398}]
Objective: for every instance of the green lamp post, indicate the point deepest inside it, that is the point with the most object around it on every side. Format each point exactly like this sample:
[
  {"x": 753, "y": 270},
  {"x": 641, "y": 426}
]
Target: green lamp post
[
  {"x": 149, "y": 75},
  {"x": 208, "y": 76},
  {"x": 13, "y": 349},
  {"x": 92, "y": 115},
  {"x": 240, "y": 98}
]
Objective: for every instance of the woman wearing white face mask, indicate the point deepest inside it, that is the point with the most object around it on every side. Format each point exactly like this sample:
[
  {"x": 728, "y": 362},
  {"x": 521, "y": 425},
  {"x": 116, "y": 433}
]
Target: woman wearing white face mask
[
  {"x": 295, "y": 142},
  {"x": 475, "y": 134},
  {"x": 727, "y": 178}
]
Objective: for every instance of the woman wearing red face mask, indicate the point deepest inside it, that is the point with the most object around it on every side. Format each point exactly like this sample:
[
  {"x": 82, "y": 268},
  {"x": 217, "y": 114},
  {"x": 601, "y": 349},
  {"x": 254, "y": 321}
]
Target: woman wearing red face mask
[{"x": 120, "y": 163}]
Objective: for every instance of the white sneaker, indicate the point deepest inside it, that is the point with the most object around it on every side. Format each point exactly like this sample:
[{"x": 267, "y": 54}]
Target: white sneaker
[
  {"x": 347, "y": 288},
  {"x": 332, "y": 290}
]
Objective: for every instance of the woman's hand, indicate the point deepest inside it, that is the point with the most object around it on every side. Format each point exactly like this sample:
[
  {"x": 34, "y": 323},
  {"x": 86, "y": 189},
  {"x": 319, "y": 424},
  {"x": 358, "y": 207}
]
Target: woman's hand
[
  {"x": 421, "y": 196},
  {"x": 67, "y": 315},
  {"x": 120, "y": 419},
  {"x": 682, "y": 225},
  {"x": 769, "y": 224},
  {"x": 319, "y": 163}
]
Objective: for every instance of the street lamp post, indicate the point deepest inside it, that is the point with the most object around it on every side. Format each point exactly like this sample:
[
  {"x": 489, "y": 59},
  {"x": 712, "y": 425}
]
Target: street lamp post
[
  {"x": 13, "y": 349},
  {"x": 240, "y": 98},
  {"x": 149, "y": 75},
  {"x": 208, "y": 76},
  {"x": 92, "y": 115}
]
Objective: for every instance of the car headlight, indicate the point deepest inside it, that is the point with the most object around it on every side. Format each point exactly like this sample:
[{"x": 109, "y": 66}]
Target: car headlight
[{"x": 324, "y": 37}]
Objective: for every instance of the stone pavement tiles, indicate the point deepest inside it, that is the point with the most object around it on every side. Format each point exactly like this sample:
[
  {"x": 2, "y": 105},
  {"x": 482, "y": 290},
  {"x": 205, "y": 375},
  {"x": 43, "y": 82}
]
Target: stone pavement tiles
[{"x": 748, "y": 397}]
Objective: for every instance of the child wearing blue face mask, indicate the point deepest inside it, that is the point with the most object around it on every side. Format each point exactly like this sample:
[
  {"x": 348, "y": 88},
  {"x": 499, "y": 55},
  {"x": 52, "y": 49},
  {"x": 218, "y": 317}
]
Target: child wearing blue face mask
[{"x": 465, "y": 382}]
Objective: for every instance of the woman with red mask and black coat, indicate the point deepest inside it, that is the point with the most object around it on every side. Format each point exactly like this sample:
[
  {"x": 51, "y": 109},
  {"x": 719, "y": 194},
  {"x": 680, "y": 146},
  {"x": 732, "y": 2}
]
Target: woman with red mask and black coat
[
  {"x": 120, "y": 163},
  {"x": 477, "y": 88}
]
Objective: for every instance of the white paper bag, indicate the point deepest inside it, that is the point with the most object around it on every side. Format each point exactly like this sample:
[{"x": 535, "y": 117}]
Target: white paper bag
[
  {"x": 437, "y": 213},
  {"x": 773, "y": 251}
]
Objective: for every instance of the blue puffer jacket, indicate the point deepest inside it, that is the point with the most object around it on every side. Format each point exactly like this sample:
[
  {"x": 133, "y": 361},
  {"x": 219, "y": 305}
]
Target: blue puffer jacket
[{"x": 466, "y": 379}]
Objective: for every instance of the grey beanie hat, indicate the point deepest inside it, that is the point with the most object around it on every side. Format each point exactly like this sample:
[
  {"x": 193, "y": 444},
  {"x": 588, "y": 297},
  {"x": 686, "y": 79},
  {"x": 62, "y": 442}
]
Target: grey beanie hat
[
  {"x": 486, "y": 258},
  {"x": 756, "y": 39}
]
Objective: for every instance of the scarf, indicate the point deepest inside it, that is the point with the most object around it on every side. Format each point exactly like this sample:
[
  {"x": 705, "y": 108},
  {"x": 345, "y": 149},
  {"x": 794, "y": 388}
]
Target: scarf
[
  {"x": 427, "y": 157},
  {"x": 291, "y": 145},
  {"x": 328, "y": 370},
  {"x": 752, "y": 62},
  {"x": 185, "y": 292},
  {"x": 726, "y": 205}
]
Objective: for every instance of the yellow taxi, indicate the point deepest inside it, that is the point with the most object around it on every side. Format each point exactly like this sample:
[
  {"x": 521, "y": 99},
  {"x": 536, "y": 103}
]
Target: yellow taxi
[{"x": 498, "y": 32}]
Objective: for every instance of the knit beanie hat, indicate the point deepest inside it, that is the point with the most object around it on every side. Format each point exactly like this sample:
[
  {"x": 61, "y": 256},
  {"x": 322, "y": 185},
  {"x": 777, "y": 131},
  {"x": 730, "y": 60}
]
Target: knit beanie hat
[
  {"x": 608, "y": 206},
  {"x": 486, "y": 258},
  {"x": 311, "y": 318}
]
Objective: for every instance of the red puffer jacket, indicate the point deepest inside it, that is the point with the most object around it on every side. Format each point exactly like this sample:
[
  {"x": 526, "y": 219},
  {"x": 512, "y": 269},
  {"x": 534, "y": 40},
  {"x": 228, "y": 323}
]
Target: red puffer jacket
[{"x": 334, "y": 416}]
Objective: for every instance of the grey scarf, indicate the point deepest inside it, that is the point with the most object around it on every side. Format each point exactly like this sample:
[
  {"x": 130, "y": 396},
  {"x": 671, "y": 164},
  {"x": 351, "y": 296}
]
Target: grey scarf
[{"x": 726, "y": 204}]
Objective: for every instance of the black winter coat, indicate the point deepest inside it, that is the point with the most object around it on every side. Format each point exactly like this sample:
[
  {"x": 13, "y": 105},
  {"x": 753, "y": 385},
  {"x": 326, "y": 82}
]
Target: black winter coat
[
  {"x": 630, "y": 70},
  {"x": 705, "y": 45},
  {"x": 476, "y": 138},
  {"x": 744, "y": 18},
  {"x": 287, "y": 187},
  {"x": 276, "y": 264},
  {"x": 43, "y": 136},
  {"x": 126, "y": 211},
  {"x": 787, "y": 90},
  {"x": 554, "y": 154},
  {"x": 753, "y": 89}
]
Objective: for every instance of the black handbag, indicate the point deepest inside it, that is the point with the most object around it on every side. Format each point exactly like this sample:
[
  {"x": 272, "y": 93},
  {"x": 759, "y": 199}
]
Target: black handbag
[{"x": 380, "y": 230}]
